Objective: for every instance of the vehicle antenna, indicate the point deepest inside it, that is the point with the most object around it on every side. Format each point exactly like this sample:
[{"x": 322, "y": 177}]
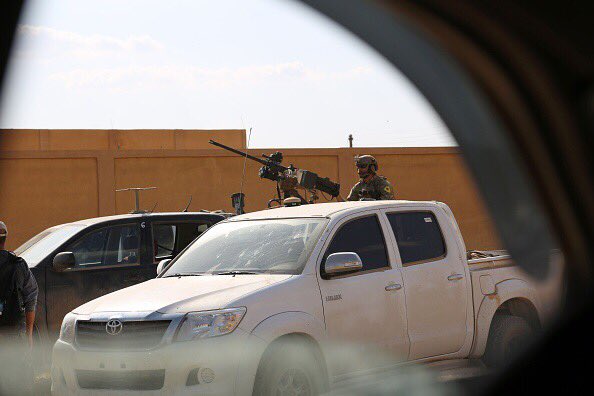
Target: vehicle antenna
[
  {"x": 154, "y": 206},
  {"x": 245, "y": 161},
  {"x": 188, "y": 205}
]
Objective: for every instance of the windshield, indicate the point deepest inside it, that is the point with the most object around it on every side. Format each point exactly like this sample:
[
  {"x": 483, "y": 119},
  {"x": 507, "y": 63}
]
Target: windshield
[
  {"x": 272, "y": 246},
  {"x": 38, "y": 247}
]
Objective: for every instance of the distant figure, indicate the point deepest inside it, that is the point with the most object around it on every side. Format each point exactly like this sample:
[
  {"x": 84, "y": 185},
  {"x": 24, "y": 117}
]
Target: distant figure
[
  {"x": 18, "y": 297},
  {"x": 371, "y": 185}
]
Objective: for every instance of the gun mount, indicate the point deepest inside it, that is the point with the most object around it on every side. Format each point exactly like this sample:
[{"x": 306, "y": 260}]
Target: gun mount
[{"x": 289, "y": 179}]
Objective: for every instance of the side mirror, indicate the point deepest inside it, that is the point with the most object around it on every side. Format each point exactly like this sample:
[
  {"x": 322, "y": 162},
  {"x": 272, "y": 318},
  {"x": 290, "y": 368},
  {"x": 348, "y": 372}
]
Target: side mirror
[
  {"x": 342, "y": 263},
  {"x": 162, "y": 264},
  {"x": 63, "y": 261}
]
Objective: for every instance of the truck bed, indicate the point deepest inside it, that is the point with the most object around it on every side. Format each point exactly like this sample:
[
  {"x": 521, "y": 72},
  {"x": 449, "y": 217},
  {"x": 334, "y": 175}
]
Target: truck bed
[
  {"x": 488, "y": 259},
  {"x": 499, "y": 266}
]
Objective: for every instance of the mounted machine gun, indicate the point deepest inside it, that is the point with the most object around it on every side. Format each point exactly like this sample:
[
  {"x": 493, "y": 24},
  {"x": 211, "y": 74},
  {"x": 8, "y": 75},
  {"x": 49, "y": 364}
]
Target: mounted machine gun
[{"x": 289, "y": 179}]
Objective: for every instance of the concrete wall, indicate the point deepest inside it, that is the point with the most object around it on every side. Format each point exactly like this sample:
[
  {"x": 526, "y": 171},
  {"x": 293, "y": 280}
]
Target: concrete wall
[
  {"x": 52, "y": 177},
  {"x": 140, "y": 139},
  {"x": 37, "y": 193}
]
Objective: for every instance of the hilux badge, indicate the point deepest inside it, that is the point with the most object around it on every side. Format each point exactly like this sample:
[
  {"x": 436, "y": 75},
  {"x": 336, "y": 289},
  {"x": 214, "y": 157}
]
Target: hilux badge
[{"x": 114, "y": 327}]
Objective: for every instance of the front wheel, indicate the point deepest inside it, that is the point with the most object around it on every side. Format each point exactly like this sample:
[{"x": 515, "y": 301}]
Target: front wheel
[
  {"x": 289, "y": 368},
  {"x": 508, "y": 337}
]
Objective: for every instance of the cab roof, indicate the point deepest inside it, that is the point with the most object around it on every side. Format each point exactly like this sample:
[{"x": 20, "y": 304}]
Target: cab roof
[
  {"x": 323, "y": 209},
  {"x": 97, "y": 220}
]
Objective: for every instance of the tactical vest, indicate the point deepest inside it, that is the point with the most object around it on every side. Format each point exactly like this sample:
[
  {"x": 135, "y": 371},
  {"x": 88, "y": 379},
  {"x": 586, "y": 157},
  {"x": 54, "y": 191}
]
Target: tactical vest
[{"x": 371, "y": 190}]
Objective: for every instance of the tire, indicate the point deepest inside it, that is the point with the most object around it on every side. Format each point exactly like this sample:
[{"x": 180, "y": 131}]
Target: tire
[
  {"x": 289, "y": 368},
  {"x": 508, "y": 337}
]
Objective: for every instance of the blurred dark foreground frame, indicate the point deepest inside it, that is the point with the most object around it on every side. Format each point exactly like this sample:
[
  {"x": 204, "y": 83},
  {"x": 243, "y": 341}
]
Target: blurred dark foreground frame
[{"x": 513, "y": 81}]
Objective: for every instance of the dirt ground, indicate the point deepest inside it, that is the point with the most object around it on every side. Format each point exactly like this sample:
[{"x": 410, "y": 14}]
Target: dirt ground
[{"x": 43, "y": 384}]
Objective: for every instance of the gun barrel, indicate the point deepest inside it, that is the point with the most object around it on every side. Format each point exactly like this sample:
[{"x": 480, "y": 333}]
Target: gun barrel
[
  {"x": 238, "y": 152},
  {"x": 274, "y": 171}
]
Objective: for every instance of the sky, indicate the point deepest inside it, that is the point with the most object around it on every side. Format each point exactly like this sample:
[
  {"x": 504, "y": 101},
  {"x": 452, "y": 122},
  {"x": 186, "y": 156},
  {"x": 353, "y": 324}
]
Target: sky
[{"x": 294, "y": 77}]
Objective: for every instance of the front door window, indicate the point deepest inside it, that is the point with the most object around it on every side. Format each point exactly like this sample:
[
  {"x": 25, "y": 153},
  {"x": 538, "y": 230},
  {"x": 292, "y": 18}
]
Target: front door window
[
  {"x": 108, "y": 246},
  {"x": 362, "y": 236}
]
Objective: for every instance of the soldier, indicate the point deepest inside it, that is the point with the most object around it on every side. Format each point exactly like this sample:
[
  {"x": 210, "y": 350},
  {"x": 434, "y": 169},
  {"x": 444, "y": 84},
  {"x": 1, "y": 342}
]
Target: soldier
[
  {"x": 18, "y": 297},
  {"x": 371, "y": 185}
]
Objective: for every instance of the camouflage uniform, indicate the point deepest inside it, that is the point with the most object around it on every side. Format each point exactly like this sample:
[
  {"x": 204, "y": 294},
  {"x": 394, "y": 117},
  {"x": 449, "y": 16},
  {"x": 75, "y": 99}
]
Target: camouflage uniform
[{"x": 377, "y": 188}]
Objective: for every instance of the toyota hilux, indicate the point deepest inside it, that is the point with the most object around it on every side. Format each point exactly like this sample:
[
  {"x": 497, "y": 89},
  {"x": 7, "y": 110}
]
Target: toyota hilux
[{"x": 295, "y": 300}]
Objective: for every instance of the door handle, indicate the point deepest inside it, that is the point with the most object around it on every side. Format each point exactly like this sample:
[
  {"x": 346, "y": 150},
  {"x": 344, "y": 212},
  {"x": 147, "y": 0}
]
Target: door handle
[
  {"x": 455, "y": 277},
  {"x": 393, "y": 286}
]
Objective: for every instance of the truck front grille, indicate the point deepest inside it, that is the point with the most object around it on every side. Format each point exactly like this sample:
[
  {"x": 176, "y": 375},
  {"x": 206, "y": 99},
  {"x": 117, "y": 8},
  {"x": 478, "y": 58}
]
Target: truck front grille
[
  {"x": 134, "y": 335},
  {"x": 121, "y": 380}
]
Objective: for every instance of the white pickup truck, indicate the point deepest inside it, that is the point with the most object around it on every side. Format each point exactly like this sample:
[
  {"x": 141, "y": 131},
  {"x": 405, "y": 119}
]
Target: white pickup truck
[{"x": 295, "y": 299}]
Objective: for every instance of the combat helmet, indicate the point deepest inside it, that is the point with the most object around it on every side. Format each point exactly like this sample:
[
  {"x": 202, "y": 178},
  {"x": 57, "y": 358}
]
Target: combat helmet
[{"x": 363, "y": 160}]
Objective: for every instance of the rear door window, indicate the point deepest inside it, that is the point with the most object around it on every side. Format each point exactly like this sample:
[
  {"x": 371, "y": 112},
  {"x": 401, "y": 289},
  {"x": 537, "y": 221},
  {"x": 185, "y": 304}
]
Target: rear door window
[
  {"x": 171, "y": 238},
  {"x": 362, "y": 236},
  {"x": 418, "y": 236}
]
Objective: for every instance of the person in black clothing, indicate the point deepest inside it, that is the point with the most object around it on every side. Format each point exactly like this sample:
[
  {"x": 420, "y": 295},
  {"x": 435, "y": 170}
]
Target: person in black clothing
[{"x": 18, "y": 297}]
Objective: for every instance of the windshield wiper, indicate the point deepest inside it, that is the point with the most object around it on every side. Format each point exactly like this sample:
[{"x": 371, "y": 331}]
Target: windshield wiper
[
  {"x": 236, "y": 273},
  {"x": 180, "y": 275}
]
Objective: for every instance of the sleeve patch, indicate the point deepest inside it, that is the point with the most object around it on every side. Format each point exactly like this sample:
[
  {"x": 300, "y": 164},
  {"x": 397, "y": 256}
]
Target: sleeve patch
[{"x": 387, "y": 189}]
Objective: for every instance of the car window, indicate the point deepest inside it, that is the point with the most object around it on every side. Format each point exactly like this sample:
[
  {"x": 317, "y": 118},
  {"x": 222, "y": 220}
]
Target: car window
[
  {"x": 89, "y": 249},
  {"x": 418, "y": 236},
  {"x": 123, "y": 245},
  {"x": 171, "y": 238},
  {"x": 164, "y": 240},
  {"x": 44, "y": 243},
  {"x": 280, "y": 246},
  {"x": 364, "y": 237},
  {"x": 108, "y": 246}
]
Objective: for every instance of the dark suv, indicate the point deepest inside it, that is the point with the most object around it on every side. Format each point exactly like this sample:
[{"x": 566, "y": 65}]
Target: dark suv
[{"x": 77, "y": 262}]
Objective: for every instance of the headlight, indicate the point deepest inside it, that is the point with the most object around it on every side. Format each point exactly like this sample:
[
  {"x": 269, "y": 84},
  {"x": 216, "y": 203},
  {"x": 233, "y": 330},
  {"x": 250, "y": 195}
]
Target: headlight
[
  {"x": 67, "y": 329},
  {"x": 209, "y": 323}
]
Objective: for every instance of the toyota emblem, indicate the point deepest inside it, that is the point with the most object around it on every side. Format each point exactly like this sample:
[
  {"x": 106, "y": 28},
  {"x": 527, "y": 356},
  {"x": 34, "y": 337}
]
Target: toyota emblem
[{"x": 114, "y": 327}]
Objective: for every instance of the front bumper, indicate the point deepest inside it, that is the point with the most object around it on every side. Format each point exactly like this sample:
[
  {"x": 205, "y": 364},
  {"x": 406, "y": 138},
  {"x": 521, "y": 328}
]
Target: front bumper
[{"x": 222, "y": 355}]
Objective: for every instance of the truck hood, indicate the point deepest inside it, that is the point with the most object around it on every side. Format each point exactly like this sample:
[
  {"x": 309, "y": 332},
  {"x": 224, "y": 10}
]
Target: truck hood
[{"x": 180, "y": 295}]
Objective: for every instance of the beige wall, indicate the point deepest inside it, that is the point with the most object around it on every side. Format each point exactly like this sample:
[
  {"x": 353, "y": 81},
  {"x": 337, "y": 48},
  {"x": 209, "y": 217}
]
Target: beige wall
[
  {"x": 38, "y": 193},
  {"x": 140, "y": 139},
  {"x": 52, "y": 177},
  {"x": 210, "y": 180}
]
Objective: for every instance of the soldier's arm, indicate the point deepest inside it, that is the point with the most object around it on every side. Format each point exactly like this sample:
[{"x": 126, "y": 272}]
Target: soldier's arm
[
  {"x": 386, "y": 190},
  {"x": 30, "y": 289},
  {"x": 29, "y": 322}
]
